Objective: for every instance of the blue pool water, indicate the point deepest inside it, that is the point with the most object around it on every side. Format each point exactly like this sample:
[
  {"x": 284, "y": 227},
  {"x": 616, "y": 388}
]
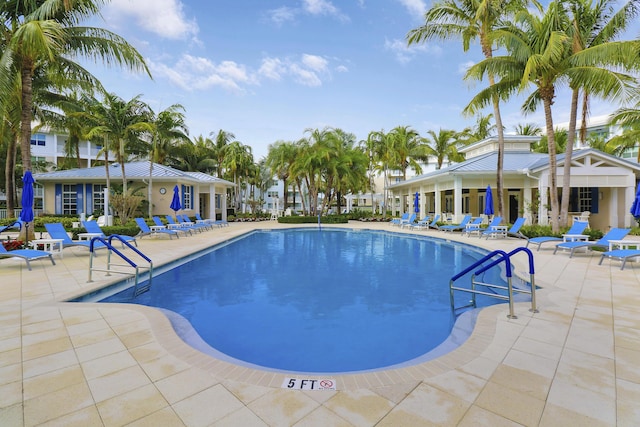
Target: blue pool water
[{"x": 318, "y": 301}]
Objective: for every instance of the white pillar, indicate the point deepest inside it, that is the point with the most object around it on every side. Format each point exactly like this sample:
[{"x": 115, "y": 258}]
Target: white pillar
[
  {"x": 212, "y": 202},
  {"x": 457, "y": 199}
]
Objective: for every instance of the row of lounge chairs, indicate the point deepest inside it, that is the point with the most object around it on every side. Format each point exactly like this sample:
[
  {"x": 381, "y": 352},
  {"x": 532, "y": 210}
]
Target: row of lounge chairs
[
  {"x": 57, "y": 231},
  {"x": 572, "y": 241}
]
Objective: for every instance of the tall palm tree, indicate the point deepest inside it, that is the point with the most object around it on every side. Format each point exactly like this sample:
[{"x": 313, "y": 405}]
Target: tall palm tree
[
  {"x": 122, "y": 124},
  {"x": 169, "y": 128},
  {"x": 238, "y": 160},
  {"x": 443, "y": 145},
  {"x": 408, "y": 149},
  {"x": 593, "y": 27},
  {"x": 221, "y": 140},
  {"x": 629, "y": 119},
  {"x": 530, "y": 129},
  {"x": 46, "y": 34},
  {"x": 470, "y": 20},
  {"x": 280, "y": 157}
]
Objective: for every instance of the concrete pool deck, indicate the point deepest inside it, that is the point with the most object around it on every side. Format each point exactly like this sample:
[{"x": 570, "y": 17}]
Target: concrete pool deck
[{"x": 575, "y": 363}]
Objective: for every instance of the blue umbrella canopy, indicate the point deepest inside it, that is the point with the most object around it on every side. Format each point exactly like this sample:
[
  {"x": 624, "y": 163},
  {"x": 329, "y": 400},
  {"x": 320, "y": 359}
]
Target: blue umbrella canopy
[
  {"x": 26, "y": 215},
  {"x": 416, "y": 202},
  {"x": 635, "y": 207},
  {"x": 175, "y": 201},
  {"x": 488, "y": 202}
]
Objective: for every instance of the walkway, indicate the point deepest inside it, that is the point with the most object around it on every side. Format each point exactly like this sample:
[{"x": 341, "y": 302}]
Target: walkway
[{"x": 576, "y": 363}]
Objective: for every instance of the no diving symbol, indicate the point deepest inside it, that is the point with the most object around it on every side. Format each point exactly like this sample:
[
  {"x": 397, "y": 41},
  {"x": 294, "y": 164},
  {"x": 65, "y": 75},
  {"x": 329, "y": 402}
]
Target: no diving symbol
[{"x": 326, "y": 384}]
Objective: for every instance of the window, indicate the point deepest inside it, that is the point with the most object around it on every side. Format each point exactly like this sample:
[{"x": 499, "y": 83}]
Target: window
[
  {"x": 98, "y": 197},
  {"x": 584, "y": 199},
  {"x": 38, "y": 139},
  {"x": 187, "y": 197},
  {"x": 69, "y": 199},
  {"x": 272, "y": 194}
]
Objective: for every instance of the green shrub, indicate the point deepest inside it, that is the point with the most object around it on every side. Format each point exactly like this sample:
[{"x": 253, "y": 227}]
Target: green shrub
[{"x": 327, "y": 219}]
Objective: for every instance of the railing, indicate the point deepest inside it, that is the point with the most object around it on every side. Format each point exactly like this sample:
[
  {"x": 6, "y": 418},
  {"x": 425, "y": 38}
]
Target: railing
[
  {"x": 503, "y": 257},
  {"x": 3, "y": 213},
  {"x": 136, "y": 289}
]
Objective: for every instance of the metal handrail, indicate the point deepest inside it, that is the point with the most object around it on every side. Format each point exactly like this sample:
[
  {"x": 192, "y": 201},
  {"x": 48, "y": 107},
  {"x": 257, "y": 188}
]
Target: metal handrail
[
  {"x": 503, "y": 256},
  {"x": 107, "y": 242}
]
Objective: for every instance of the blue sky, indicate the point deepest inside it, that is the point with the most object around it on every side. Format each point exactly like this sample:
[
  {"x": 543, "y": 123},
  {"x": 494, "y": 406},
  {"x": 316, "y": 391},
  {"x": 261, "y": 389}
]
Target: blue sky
[{"x": 266, "y": 70}]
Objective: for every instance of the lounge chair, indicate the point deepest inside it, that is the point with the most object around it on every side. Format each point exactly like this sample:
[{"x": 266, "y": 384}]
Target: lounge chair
[
  {"x": 424, "y": 222},
  {"x": 56, "y": 231},
  {"x": 475, "y": 227},
  {"x": 514, "y": 231},
  {"x": 145, "y": 230},
  {"x": 172, "y": 227},
  {"x": 461, "y": 226},
  {"x": 434, "y": 222},
  {"x": 183, "y": 219},
  {"x": 181, "y": 225},
  {"x": 574, "y": 233},
  {"x": 411, "y": 220},
  {"x": 398, "y": 221},
  {"x": 613, "y": 234},
  {"x": 206, "y": 220},
  {"x": 93, "y": 227},
  {"x": 27, "y": 255},
  {"x": 16, "y": 225},
  {"x": 621, "y": 254}
]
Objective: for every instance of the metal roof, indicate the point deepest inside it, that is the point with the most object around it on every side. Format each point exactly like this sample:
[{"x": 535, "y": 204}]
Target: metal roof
[{"x": 133, "y": 171}]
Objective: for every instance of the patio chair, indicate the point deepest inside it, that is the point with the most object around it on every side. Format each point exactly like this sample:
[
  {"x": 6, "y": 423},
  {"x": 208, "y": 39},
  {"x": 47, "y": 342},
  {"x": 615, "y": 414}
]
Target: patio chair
[
  {"x": 424, "y": 222},
  {"x": 27, "y": 255},
  {"x": 475, "y": 227},
  {"x": 183, "y": 219},
  {"x": 514, "y": 231},
  {"x": 461, "y": 226},
  {"x": 620, "y": 254},
  {"x": 145, "y": 230},
  {"x": 398, "y": 221},
  {"x": 574, "y": 233},
  {"x": 603, "y": 243},
  {"x": 411, "y": 220},
  {"x": 206, "y": 220},
  {"x": 56, "y": 231},
  {"x": 93, "y": 227},
  {"x": 181, "y": 225},
  {"x": 174, "y": 227},
  {"x": 16, "y": 225}
]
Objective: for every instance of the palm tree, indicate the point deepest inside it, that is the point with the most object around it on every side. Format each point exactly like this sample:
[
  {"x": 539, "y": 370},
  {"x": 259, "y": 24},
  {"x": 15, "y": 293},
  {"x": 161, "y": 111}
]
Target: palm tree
[
  {"x": 45, "y": 34},
  {"x": 407, "y": 149},
  {"x": 629, "y": 119},
  {"x": 470, "y": 20},
  {"x": 280, "y": 157},
  {"x": 593, "y": 27},
  {"x": 121, "y": 123},
  {"x": 443, "y": 145},
  {"x": 237, "y": 162},
  {"x": 169, "y": 128},
  {"x": 222, "y": 139},
  {"x": 530, "y": 129}
]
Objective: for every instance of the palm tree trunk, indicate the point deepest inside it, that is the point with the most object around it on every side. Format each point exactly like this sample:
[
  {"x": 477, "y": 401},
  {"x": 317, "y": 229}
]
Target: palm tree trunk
[
  {"x": 500, "y": 165},
  {"x": 9, "y": 174},
  {"x": 553, "y": 178},
  {"x": 25, "y": 115},
  {"x": 568, "y": 154}
]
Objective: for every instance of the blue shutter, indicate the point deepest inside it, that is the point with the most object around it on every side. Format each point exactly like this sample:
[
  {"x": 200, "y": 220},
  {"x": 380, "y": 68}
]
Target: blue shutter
[
  {"x": 573, "y": 199},
  {"x": 89, "y": 204},
  {"x": 79, "y": 198},
  {"x": 192, "y": 196},
  {"x": 182, "y": 188},
  {"x": 58, "y": 202},
  {"x": 595, "y": 198}
]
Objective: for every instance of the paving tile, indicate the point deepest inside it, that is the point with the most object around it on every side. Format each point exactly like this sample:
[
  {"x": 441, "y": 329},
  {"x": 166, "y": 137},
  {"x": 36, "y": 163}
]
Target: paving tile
[
  {"x": 206, "y": 407},
  {"x": 52, "y": 381},
  {"x": 165, "y": 417},
  {"x": 426, "y": 406},
  {"x": 567, "y": 394},
  {"x": 57, "y": 404},
  {"x": 322, "y": 417},
  {"x": 130, "y": 406},
  {"x": 476, "y": 417},
  {"x": 49, "y": 363},
  {"x": 118, "y": 382},
  {"x": 184, "y": 384},
  {"x": 511, "y": 404},
  {"x": 283, "y": 407},
  {"x": 88, "y": 416},
  {"x": 108, "y": 364},
  {"x": 556, "y": 416}
]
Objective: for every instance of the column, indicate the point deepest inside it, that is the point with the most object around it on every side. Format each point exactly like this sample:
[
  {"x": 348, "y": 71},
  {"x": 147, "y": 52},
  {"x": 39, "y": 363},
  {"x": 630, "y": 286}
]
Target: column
[{"x": 457, "y": 199}]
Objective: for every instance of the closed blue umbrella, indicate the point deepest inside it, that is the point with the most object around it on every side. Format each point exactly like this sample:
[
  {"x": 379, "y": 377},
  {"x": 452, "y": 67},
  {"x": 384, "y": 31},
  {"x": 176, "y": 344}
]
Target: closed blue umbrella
[
  {"x": 416, "y": 202},
  {"x": 635, "y": 207},
  {"x": 176, "y": 205},
  {"x": 26, "y": 214},
  {"x": 488, "y": 202}
]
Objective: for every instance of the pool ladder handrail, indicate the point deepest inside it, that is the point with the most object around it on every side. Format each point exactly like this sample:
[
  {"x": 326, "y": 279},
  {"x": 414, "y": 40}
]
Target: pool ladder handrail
[
  {"x": 107, "y": 242},
  {"x": 503, "y": 257}
]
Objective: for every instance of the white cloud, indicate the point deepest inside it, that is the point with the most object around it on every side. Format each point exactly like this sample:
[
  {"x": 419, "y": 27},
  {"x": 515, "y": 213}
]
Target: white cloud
[
  {"x": 197, "y": 73},
  {"x": 319, "y": 7},
  {"x": 405, "y": 54},
  {"x": 462, "y": 68},
  {"x": 415, "y": 7},
  {"x": 162, "y": 17},
  {"x": 282, "y": 15}
]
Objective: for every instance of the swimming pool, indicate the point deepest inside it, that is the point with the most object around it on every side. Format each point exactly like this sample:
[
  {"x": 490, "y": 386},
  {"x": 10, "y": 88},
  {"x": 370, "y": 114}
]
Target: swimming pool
[{"x": 305, "y": 300}]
